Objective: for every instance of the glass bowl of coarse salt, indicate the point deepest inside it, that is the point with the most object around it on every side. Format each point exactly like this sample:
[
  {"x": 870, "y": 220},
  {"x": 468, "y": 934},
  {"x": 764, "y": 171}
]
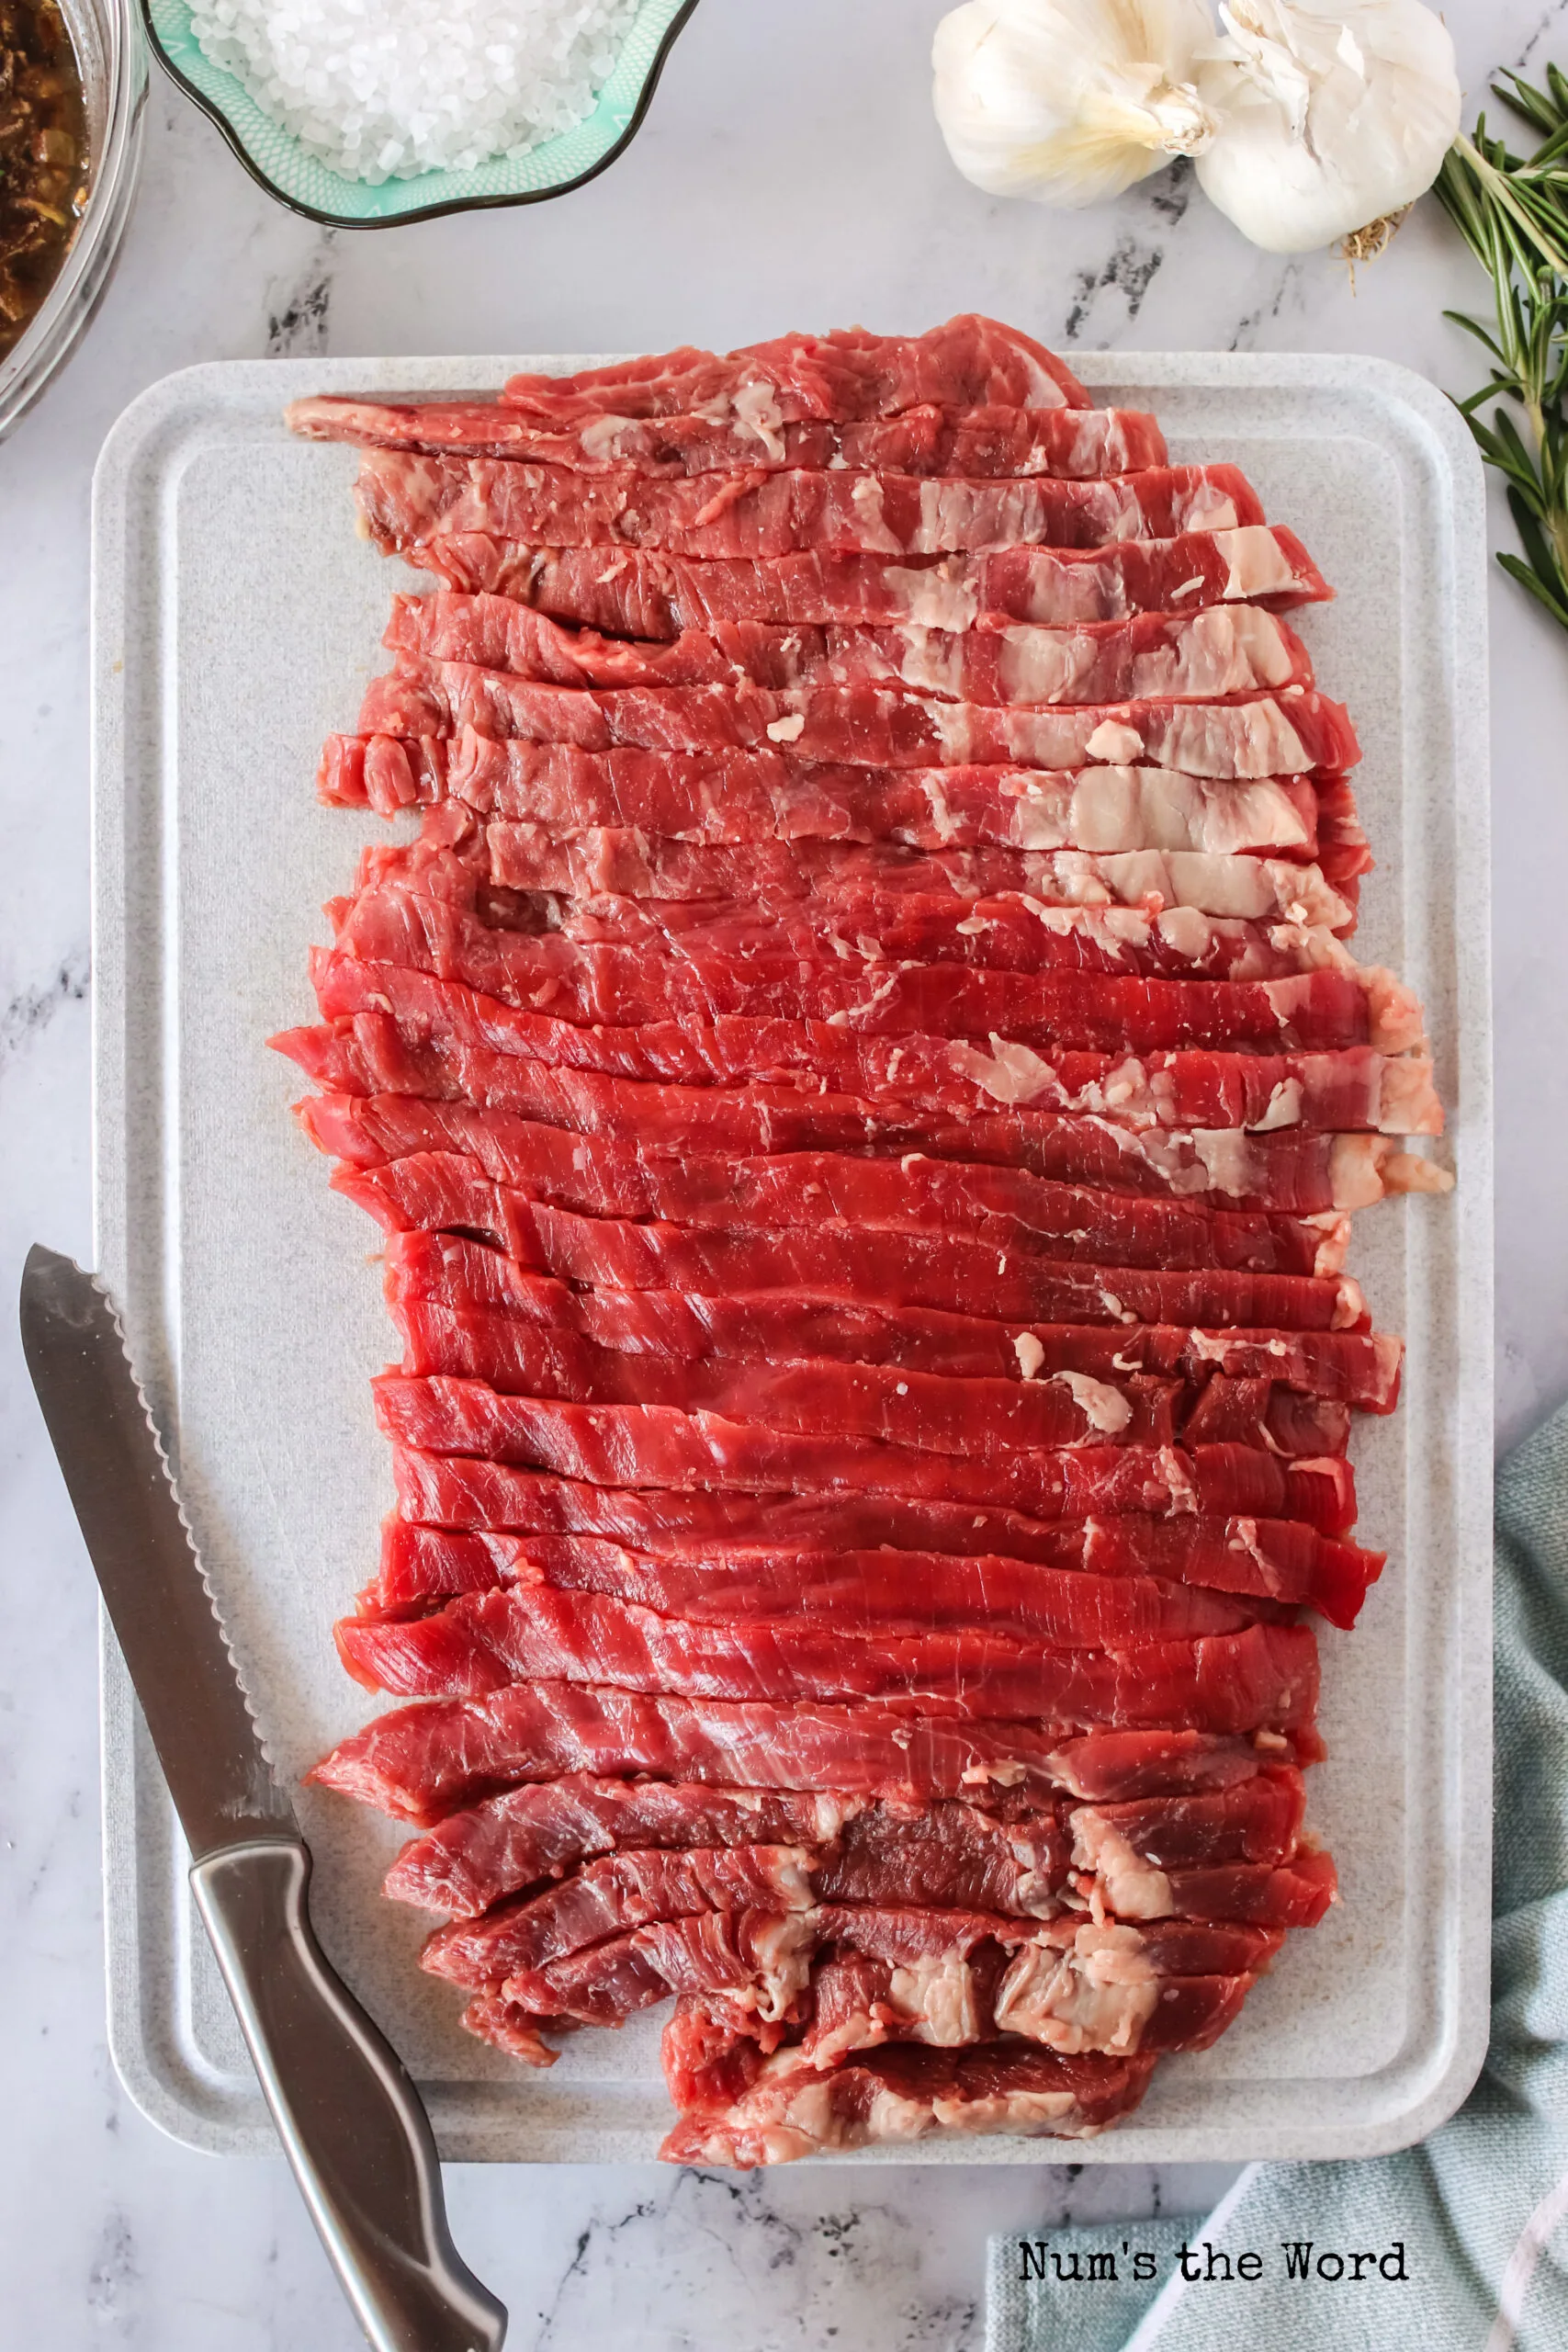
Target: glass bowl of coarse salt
[{"x": 364, "y": 113}]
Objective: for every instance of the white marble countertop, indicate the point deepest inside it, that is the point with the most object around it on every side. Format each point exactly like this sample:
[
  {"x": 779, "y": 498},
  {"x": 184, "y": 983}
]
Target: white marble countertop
[{"x": 789, "y": 173}]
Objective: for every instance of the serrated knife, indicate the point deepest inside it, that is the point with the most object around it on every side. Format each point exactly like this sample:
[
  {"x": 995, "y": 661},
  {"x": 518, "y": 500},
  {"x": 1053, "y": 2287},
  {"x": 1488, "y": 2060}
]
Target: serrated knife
[{"x": 351, "y": 2121}]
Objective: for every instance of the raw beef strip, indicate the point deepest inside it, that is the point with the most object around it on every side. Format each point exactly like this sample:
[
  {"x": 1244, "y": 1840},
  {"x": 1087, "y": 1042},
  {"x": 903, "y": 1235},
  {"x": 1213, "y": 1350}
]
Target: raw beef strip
[
  {"x": 1356, "y": 1368},
  {"x": 1174, "y": 1529},
  {"x": 1291, "y": 1170},
  {"x": 1200, "y": 656},
  {"x": 1354, "y": 1088},
  {"x": 1279, "y": 1561},
  {"x": 654, "y": 1445},
  {"x": 929, "y": 1412},
  {"x": 943, "y": 1854},
  {"x": 543, "y": 1829},
  {"x": 423, "y": 1762},
  {"x": 932, "y": 438},
  {"x": 868, "y": 1591},
  {"x": 969, "y": 361},
  {"x": 629, "y": 1889},
  {"x": 641, "y": 594},
  {"x": 454, "y": 1270},
  {"x": 1264, "y": 1678},
  {"x": 904, "y": 2092},
  {"x": 772, "y": 875},
  {"x": 872, "y": 933},
  {"x": 749, "y": 801},
  {"x": 975, "y": 1417},
  {"x": 406, "y": 500},
  {"x": 619, "y": 1892},
  {"x": 867, "y": 726},
  {"x": 616, "y": 987},
  {"x": 443, "y": 1192},
  {"x": 947, "y": 1976},
  {"x": 615, "y": 1177}
]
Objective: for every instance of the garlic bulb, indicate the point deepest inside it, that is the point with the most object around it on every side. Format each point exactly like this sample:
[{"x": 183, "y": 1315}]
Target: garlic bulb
[
  {"x": 1331, "y": 116},
  {"x": 1069, "y": 100}
]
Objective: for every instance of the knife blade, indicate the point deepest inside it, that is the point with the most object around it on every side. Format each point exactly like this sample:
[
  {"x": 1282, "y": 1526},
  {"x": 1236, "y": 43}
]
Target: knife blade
[{"x": 351, "y": 2121}]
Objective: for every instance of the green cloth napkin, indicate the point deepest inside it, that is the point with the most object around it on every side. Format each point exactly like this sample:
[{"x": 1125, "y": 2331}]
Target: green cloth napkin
[{"x": 1481, "y": 2208}]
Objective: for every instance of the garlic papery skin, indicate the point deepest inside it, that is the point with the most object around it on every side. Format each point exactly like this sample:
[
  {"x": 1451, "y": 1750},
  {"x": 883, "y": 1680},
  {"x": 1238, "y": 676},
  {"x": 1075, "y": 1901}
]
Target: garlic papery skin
[
  {"x": 1329, "y": 116},
  {"x": 1067, "y": 101}
]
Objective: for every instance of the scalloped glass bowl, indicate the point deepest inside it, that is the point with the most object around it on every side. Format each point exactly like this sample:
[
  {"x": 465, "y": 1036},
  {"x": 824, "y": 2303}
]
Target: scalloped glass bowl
[
  {"x": 275, "y": 157},
  {"x": 112, "y": 59}
]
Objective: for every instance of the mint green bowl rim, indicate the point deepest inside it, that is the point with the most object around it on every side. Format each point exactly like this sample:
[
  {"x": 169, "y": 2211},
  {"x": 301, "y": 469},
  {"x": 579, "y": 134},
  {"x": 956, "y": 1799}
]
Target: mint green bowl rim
[{"x": 214, "y": 109}]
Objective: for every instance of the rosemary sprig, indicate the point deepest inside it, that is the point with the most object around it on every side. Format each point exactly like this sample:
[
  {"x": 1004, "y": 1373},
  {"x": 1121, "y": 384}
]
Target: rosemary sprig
[{"x": 1512, "y": 211}]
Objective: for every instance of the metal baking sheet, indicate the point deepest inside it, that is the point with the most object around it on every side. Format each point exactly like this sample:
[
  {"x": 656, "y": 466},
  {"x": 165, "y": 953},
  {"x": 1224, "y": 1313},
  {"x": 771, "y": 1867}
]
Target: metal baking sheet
[{"x": 237, "y": 616}]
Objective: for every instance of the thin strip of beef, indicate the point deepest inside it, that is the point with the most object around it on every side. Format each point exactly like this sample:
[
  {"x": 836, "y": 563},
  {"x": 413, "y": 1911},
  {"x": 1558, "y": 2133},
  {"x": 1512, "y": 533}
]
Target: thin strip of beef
[
  {"x": 615, "y": 1893},
  {"x": 443, "y": 1192},
  {"x": 423, "y": 1762},
  {"x": 406, "y": 499},
  {"x": 643, "y": 594},
  {"x": 945, "y": 1853},
  {"x": 1007, "y": 1208},
  {"x": 859, "y": 2002},
  {"x": 1354, "y": 1090},
  {"x": 1169, "y": 1520},
  {"x": 1067, "y": 1600},
  {"x": 970, "y": 360},
  {"x": 793, "y": 2110},
  {"x": 542, "y": 1830},
  {"x": 933, "y": 438},
  {"x": 1352, "y": 1367},
  {"x": 868, "y": 726},
  {"x": 747, "y": 797},
  {"x": 1301, "y": 1172},
  {"x": 1000, "y": 935},
  {"x": 629, "y": 1889},
  {"x": 1264, "y": 1678},
  {"x": 982, "y": 1419},
  {"x": 1204, "y": 655},
  {"x": 1158, "y": 840},
  {"x": 654, "y": 1445},
  {"x": 619, "y": 987},
  {"x": 860, "y": 1591},
  {"x": 475, "y": 1505},
  {"x": 1103, "y": 890},
  {"x": 961, "y": 1976},
  {"x": 948, "y": 1856}
]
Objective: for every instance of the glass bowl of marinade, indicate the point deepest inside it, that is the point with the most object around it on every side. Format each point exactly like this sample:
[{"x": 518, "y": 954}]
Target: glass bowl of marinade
[{"x": 72, "y": 80}]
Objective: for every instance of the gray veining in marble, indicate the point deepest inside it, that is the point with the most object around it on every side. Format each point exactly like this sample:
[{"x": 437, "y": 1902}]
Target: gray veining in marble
[{"x": 788, "y": 173}]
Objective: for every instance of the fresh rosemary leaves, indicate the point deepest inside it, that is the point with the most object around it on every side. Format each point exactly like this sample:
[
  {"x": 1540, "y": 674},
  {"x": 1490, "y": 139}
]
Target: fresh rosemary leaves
[{"x": 1513, "y": 214}]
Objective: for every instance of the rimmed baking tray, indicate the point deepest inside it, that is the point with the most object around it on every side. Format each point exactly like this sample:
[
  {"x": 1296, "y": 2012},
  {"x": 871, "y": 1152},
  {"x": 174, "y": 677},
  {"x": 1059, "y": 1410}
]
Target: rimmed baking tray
[{"x": 236, "y": 619}]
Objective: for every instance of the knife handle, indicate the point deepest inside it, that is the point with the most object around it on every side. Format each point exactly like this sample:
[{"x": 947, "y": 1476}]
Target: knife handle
[{"x": 353, "y": 2125}]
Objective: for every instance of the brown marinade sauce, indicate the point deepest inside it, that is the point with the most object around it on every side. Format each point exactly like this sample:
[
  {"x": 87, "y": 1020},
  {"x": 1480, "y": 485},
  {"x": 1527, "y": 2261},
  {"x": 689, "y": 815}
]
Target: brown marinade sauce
[{"x": 43, "y": 157}]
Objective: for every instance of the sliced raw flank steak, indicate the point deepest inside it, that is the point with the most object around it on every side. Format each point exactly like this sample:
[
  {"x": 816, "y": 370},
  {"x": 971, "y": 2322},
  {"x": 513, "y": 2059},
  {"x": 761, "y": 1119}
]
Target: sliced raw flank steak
[
  {"x": 1358, "y": 1368},
  {"x": 406, "y": 500},
  {"x": 864, "y": 1089},
  {"x": 645, "y": 593},
  {"x": 935, "y": 437},
  {"x": 1297, "y": 1170},
  {"x": 969, "y": 361},
  {"x": 423, "y": 1762},
  {"x": 868, "y": 726},
  {"x": 1356, "y": 1089},
  {"x": 1201, "y": 655},
  {"x": 651, "y": 1548},
  {"x": 1017, "y": 1860}
]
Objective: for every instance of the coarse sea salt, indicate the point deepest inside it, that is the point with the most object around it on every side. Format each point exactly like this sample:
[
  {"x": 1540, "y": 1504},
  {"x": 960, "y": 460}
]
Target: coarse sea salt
[{"x": 385, "y": 89}]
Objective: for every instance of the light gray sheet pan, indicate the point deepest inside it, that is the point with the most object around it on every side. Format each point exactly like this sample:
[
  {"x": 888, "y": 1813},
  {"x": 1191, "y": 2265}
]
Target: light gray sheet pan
[{"x": 236, "y": 619}]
